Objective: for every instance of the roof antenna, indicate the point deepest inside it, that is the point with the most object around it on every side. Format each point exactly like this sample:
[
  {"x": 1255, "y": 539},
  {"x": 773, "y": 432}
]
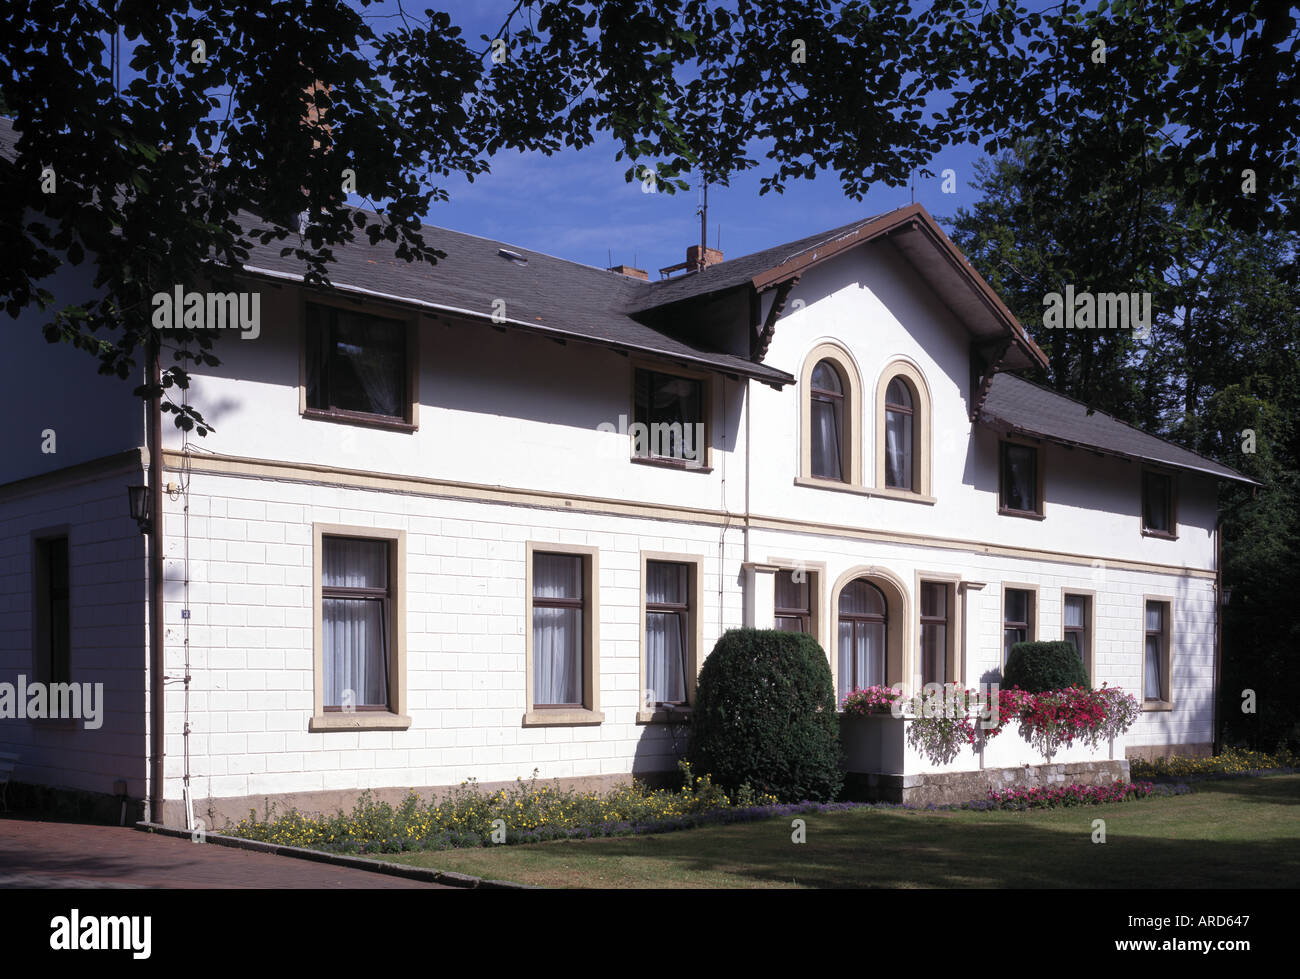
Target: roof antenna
[
  {"x": 913, "y": 185},
  {"x": 703, "y": 212},
  {"x": 610, "y": 252}
]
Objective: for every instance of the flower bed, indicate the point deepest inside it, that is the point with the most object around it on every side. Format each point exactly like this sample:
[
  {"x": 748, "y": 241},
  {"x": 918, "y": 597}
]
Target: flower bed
[{"x": 1231, "y": 761}]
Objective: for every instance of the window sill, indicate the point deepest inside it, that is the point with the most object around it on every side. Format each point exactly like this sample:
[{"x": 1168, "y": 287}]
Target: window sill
[
  {"x": 813, "y": 482},
  {"x": 1026, "y": 514},
  {"x": 366, "y": 421},
  {"x": 564, "y": 716},
  {"x": 359, "y": 721},
  {"x": 909, "y": 496},
  {"x": 671, "y": 464},
  {"x": 664, "y": 715},
  {"x": 1157, "y": 705},
  {"x": 1159, "y": 534}
]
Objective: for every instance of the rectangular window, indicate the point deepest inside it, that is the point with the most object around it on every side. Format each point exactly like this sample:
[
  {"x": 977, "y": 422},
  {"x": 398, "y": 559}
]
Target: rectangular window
[
  {"x": 671, "y": 409},
  {"x": 934, "y": 632},
  {"x": 1075, "y": 627},
  {"x": 1018, "y": 619},
  {"x": 1158, "y": 504},
  {"x": 667, "y": 632},
  {"x": 1155, "y": 660},
  {"x": 558, "y": 609},
  {"x": 356, "y": 595},
  {"x": 1019, "y": 480},
  {"x": 356, "y": 365},
  {"x": 793, "y": 602},
  {"x": 53, "y": 619}
]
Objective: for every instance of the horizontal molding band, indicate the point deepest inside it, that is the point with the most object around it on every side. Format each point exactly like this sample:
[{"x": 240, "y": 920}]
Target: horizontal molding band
[{"x": 321, "y": 475}]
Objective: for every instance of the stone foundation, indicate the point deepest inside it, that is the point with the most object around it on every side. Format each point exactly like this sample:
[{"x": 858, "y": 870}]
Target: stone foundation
[{"x": 954, "y": 787}]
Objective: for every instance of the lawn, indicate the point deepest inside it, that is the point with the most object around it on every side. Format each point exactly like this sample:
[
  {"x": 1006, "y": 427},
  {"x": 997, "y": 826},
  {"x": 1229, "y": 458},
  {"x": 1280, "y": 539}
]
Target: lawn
[{"x": 1233, "y": 833}]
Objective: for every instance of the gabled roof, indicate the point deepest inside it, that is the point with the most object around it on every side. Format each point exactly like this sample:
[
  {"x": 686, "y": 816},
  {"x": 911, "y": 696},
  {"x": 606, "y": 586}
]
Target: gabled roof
[{"x": 1020, "y": 407}]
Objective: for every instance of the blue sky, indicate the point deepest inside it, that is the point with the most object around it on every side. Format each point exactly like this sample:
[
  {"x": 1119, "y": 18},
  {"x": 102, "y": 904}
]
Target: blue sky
[{"x": 577, "y": 205}]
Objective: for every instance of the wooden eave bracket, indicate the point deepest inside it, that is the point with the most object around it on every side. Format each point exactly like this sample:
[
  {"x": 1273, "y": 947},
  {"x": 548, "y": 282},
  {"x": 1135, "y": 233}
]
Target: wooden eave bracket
[
  {"x": 760, "y": 341},
  {"x": 983, "y": 367}
]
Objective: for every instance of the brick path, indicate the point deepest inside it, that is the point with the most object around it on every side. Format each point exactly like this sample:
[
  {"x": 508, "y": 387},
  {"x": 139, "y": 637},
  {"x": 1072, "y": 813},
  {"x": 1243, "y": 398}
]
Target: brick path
[{"x": 34, "y": 853}]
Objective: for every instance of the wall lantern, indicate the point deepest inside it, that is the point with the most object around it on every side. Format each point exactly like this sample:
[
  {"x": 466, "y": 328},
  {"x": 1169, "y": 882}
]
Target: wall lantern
[{"x": 139, "y": 497}]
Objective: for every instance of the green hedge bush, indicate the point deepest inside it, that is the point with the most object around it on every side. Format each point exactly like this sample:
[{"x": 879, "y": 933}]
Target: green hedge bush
[
  {"x": 764, "y": 714},
  {"x": 1039, "y": 666}
]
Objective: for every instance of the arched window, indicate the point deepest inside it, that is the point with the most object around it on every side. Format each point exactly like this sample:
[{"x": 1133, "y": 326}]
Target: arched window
[
  {"x": 900, "y": 445},
  {"x": 863, "y": 620},
  {"x": 827, "y": 392}
]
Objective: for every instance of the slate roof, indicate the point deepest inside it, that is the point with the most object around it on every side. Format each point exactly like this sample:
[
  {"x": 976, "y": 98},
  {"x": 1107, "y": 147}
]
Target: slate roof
[{"x": 1021, "y": 407}]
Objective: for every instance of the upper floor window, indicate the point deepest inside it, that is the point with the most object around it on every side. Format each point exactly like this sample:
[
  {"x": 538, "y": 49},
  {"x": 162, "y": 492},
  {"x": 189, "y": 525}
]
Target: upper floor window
[
  {"x": 830, "y": 411},
  {"x": 1020, "y": 480},
  {"x": 827, "y": 394},
  {"x": 903, "y": 409},
  {"x": 899, "y": 446},
  {"x": 356, "y": 366},
  {"x": 670, "y": 414},
  {"x": 1158, "y": 504}
]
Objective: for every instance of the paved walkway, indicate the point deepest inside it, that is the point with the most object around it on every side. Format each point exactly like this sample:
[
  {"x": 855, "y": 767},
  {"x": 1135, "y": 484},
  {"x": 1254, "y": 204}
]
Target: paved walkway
[{"x": 34, "y": 853}]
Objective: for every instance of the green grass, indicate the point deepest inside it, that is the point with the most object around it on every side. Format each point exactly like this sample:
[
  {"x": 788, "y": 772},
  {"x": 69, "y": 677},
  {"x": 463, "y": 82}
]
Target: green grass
[{"x": 1233, "y": 833}]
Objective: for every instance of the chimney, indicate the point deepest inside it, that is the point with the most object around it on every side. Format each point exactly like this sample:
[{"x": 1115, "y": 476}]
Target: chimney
[
  {"x": 630, "y": 271},
  {"x": 701, "y": 257}
]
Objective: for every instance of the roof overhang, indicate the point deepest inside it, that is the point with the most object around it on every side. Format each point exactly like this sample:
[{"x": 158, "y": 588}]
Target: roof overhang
[
  {"x": 728, "y": 365},
  {"x": 920, "y": 240}
]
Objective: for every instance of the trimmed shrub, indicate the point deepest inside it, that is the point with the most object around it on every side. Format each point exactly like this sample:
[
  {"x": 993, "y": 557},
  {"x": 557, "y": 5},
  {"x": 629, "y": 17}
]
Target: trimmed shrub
[
  {"x": 764, "y": 714},
  {"x": 1039, "y": 666}
]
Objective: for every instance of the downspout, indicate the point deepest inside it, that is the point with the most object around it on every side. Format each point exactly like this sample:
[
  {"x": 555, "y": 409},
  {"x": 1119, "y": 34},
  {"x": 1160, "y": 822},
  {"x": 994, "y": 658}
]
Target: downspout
[
  {"x": 1218, "y": 632},
  {"x": 156, "y": 664}
]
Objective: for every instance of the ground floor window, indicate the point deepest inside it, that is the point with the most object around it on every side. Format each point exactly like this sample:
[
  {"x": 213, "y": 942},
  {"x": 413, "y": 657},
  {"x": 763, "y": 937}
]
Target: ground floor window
[{"x": 863, "y": 619}]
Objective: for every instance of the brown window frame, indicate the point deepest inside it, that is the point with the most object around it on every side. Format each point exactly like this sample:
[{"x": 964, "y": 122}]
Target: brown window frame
[
  {"x": 1085, "y": 630},
  {"x": 704, "y": 450},
  {"x": 407, "y": 421},
  {"x": 944, "y": 620},
  {"x": 385, "y": 597},
  {"x": 1165, "y": 634},
  {"x": 804, "y": 615},
  {"x": 52, "y": 665},
  {"x": 914, "y": 475},
  {"x": 838, "y": 402},
  {"x": 683, "y": 612},
  {"x": 860, "y": 618},
  {"x": 1003, "y": 509},
  {"x": 1027, "y": 626},
  {"x": 1171, "y": 504},
  {"x": 580, "y": 604}
]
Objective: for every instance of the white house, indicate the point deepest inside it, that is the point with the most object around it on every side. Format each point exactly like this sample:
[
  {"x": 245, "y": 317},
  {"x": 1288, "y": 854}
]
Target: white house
[{"x": 427, "y": 542}]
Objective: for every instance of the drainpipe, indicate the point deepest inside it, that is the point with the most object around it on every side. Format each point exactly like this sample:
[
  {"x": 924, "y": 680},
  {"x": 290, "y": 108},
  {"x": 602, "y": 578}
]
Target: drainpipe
[
  {"x": 156, "y": 665},
  {"x": 1218, "y": 632}
]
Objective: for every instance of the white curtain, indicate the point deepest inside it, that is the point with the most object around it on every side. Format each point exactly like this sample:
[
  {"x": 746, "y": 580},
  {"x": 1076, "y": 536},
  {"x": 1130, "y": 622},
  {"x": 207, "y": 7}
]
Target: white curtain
[
  {"x": 825, "y": 440},
  {"x": 1153, "y": 687},
  {"x": 1075, "y": 607},
  {"x": 354, "y": 652},
  {"x": 557, "y": 632},
  {"x": 355, "y": 643},
  {"x": 665, "y": 634},
  {"x": 862, "y": 652},
  {"x": 898, "y": 449}
]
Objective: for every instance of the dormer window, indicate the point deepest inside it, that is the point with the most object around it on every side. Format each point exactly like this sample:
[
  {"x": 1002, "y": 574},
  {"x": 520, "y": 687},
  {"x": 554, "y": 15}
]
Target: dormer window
[
  {"x": 356, "y": 367},
  {"x": 1158, "y": 518},
  {"x": 670, "y": 419}
]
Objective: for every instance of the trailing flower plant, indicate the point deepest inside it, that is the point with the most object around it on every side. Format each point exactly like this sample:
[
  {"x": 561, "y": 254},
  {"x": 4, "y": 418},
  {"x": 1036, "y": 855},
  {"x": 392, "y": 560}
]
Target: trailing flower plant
[{"x": 943, "y": 719}]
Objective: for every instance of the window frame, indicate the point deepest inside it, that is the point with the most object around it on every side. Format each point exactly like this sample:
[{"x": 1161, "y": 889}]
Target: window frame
[
  {"x": 1172, "y": 477},
  {"x": 864, "y": 619},
  {"x": 694, "y": 634},
  {"x": 1039, "y": 513},
  {"x": 1166, "y": 653},
  {"x": 1089, "y": 627},
  {"x": 837, "y": 401},
  {"x": 42, "y": 662},
  {"x": 922, "y": 490},
  {"x": 706, "y": 382},
  {"x": 1031, "y": 610},
  {"x": 952, "y": 660},
  {"x": 394, "y": 717},
  {"x": 851, "y": 420},
  {"x": 410, "y": 420},
  {"x": 589, "y": 712}
]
